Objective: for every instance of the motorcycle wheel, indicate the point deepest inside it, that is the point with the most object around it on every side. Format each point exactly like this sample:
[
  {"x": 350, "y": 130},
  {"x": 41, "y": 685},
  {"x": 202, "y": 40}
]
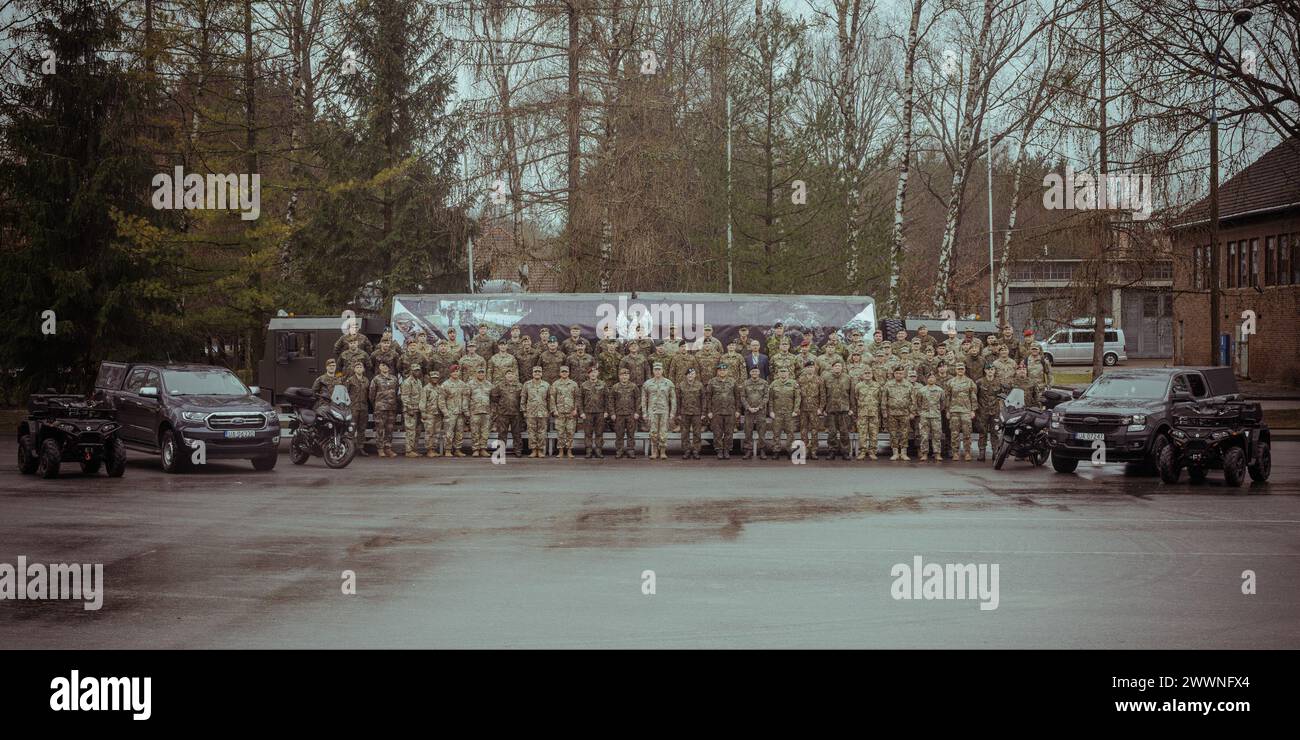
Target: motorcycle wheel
[
  {"x": 338, "y": 453},
  {"x": 1039, "y": 457},
  {"x": 298, "y": 452},
  {"x": 1004, "y": 448}
]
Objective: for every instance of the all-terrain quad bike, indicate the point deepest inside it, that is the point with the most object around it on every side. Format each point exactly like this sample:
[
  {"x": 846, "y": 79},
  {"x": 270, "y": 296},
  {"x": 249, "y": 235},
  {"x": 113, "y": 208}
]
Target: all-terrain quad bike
[
  {"x": 1229, "y": 435},
  {"x": 63, "y": 428}
]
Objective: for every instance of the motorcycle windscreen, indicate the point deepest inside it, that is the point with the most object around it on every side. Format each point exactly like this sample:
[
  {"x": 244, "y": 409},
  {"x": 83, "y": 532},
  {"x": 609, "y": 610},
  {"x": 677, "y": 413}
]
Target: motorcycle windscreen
[
  {"x": 1016, "y": 398},
  {"x": 340, "y": 396}
]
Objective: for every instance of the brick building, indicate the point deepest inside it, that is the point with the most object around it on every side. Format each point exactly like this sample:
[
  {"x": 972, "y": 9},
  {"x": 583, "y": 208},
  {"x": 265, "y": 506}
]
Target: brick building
[{"x": 1259, "y": 269}]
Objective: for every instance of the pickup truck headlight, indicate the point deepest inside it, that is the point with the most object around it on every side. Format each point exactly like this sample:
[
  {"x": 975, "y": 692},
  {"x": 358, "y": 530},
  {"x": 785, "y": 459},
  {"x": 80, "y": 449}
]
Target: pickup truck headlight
[
  {"x": 1179, "y": 434},
  {"x": 1057, "y": 416},
  {"x": 1220, "y": 434},
  {"x": 1139, "y": 419},
  {"x": 194, "y": 415},
  {"x": 272, "y": 415}
]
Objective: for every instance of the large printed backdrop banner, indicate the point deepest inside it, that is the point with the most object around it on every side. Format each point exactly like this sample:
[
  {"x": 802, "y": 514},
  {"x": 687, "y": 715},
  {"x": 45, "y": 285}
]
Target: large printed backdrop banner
[{"x": 815, "y": 316}]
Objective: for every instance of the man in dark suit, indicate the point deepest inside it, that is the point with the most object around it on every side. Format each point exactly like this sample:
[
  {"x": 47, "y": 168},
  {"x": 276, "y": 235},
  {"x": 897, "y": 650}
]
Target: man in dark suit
[{"x": 756, "y": 359}]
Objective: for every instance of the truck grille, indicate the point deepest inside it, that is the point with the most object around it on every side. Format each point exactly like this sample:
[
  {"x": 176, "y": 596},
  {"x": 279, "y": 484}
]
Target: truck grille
[
  {"x": 236, "y": 421},
  {"x": 1093, "y": 420},
  {"x": 1207, "y": 421}
]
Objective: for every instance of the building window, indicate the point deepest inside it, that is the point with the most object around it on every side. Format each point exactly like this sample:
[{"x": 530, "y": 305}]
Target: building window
[
  {"x": 1196, "y": 267},
  {"x": 1252, "y": 277},
  {"x": 1283, "y": 260},
  {"x": 1270, "y": 262},
  {"x": 1232, "y": 264}
]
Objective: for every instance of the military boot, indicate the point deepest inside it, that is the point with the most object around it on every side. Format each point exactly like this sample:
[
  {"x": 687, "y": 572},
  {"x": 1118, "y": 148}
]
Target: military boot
[
  {"x": 431, "y": 453},
  {"x": 762, "y": 454},
  {"x": 966, "y": 457},
  {"x": 894, "y": 456},
  {"x": 663, "y": 452},
  {"x": 410, "y": 452},
  {"x": 903, "y": 455},
  {"x": 568, "y": 452},
  {"x": 922, "y": 457},
  {"x": 598, "y": 453}
]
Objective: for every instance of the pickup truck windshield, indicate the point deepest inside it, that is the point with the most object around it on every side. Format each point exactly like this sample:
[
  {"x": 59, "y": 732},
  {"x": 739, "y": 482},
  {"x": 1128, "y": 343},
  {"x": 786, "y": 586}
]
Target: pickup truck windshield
[
  {"x": 1119, "y": 388},
  {"x": 203, "y": 383}
]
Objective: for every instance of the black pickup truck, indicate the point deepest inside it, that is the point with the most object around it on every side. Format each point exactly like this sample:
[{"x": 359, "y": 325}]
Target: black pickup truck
[
  {"x": 184, "y": 413},
  {"x": 1131, "y": 412}
]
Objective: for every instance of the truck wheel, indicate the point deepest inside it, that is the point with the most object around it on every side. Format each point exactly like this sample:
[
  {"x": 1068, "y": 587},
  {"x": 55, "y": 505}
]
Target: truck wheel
[
  {"x": 115, "y": 459},
  {"x": 1263, "y": 465},
  {"x": 266, "y": 462},
  {"x": 51, "y": 455},
  {"x": 1169, "y": 469},
  {"x": 26, "y": 458},
  {"x": 1234, "y": 467},
  {"x": 90, "y": 467},
  {"x": 1064, "y": 464},
  {"x": 171, "y": 450},
  {"x": 1110, "y": 359}
]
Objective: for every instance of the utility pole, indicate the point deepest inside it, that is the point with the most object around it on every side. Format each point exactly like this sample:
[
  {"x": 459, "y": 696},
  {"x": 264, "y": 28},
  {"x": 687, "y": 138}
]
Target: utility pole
[
  {"x": 988, "y": 133},
  {"x": 729, "y": 272}
]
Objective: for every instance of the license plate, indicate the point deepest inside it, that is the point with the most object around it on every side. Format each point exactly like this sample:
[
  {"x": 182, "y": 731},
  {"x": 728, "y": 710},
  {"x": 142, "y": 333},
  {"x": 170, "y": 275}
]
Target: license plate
[
  {"x": 239, "y": 434},
  {"x": 1090, "y": 435}
]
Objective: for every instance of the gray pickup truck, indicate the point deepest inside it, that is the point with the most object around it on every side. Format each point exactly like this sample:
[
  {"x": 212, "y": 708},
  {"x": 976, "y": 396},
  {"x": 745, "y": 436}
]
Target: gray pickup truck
[
  {"x": 185, "y": 413},
  {"x": 1131, "y": 412}
]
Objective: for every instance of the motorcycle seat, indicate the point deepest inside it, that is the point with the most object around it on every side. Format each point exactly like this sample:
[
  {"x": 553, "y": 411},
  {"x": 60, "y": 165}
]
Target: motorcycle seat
[{"x": 308, "y": 416}]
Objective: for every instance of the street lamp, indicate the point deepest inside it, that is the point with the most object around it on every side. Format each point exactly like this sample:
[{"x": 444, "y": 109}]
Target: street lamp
[{"x": 1239, "y": 18}]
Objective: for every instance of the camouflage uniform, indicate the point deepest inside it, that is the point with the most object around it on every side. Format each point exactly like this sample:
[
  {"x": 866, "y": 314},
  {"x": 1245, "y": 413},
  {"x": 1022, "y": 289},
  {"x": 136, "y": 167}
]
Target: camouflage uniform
[
  {"x": 341, "y": 344},
  {"x": 1004, "y": 369},
  {"x": 837, "y": 405},
  {"x": 659, "y": 405},
  {"x": 690, "y": 408},
  {"x": 412, "y": 392},
  {"x": 680, "y": 363},
  {"x": 358, "y": 394},
  {"x": 625, "y": 398},
  {"x": 570, "y": 345},
  {"x": 608, "y": 360},
  {"x": 325, "y": 383},
  {"x": 989, "y": 406},
  {"x": 962, "y": 402},
  {"x": 431, "y": 414},
  {"x": 753, "y": 405},
  {"x": 500, "y": 364},
  {"x": 1039, "y": 369},
  {"x": 813, "y": 395},
  {"x": 453, "y": 403},
  {"x": 579, "y": 363},
  {"x": 383, "y": 396},
  {"x": 351, "y": 356},
  {"x": 505, "y": 413},
  {"x": 866, "y": 407},
  {"x": 480, "y": 414},
  {"x": 481, "y": 345},
  {"x": 595, "y": 408},
  {"x": 535, "y": 399},
  {"x": 563, "y": 400},
  {"x": 469, "y": 365},
  {"x": 417, "y": 352},
  {"x": 783, "y": 400},
  {"x": 785, "y": 360},
  {"x": 721, "y": 398},
  {"x": 929, "y": 404},
  {"x": 637, "y": 368},
  {"x": 829, "y": 356},
  {"x": 736, "y": 367},
  {"x": 388, "y": 353},
  {"x": 899, "y": 402},
  {"x": 1031, "y": 390}
]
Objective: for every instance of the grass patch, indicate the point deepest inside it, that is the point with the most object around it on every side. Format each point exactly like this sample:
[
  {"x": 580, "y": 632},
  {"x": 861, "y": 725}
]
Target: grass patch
[{"x": 1071, "y": 377}]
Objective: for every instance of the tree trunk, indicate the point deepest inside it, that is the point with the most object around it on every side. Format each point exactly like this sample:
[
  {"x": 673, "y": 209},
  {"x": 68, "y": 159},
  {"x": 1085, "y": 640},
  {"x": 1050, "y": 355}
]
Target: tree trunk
[{"x": 897, "y": 245}]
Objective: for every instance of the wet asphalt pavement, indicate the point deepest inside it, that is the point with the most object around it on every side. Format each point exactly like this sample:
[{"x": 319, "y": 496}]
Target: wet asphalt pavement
[{"x": 551, "y": 553}]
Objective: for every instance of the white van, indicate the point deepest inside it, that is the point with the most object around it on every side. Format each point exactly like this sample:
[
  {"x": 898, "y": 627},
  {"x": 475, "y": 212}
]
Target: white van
[{"x": 1074, "y": 346}]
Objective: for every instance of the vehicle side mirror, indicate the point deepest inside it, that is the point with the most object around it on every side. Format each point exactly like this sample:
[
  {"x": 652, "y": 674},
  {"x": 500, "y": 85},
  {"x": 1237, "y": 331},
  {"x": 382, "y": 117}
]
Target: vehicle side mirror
[
  {"x": 1182, "y": 396},
  {"x": 253, "y": 390},
  {"x": 1075, "y": 393},
  {"x": 148, "y": 391}
]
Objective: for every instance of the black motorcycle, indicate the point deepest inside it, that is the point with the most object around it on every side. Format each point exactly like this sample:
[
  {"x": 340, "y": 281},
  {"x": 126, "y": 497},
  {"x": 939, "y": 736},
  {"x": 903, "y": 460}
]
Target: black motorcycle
[
  {"x": 1024, "y": 430},
  {"x": 324, "y": 428}
]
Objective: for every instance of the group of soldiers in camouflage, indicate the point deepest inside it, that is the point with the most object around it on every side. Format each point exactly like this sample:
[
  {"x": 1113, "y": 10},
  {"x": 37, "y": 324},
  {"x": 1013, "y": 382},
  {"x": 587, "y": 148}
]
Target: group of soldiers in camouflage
[{"x": 919, "y": 387}]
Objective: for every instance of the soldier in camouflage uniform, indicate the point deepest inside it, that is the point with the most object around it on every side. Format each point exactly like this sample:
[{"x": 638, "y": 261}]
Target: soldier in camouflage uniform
[
  {"x": 470, "y": 363},
  {"x": 506, "y": 414},
  {"x": 608, "y": 359},
  {"x": 527, "y": 357},
  {"x": 754, "y": 407},
  {"x": 690, "y": 411},
  {"x": 708, "y": 340},
  {"x": 563, "y": 397},
  {"x": 974, "y": 363},
  {"x": 866, "y": 409},
  {"x": 927, "y": 339},
  {"x": 453, "y": 404},
  {"x": 502, "y": 363},
  {"x": 609, "y": 342},
  {"x": 571, "y": 345},
  {"x": 418, "y": 351},
  {"x": 682, "y": 362},
  {"x": 899, "y": 401},
  {"x": 353, "y": 331},
  {"x": 512, "y": 344},
  {"x": 774, "y": 341},
  {"x": 721, "y": 398},
  {"x": 354, "y": 354},
  {"x": 962, "y": 402},
  {"x": 358, "y": 386},
  {"x": 431, "y": 414},
  {"x": 856, "y": 367},
  {"x": 1037, "y": 366},
  {"x": 625, "y": 398},
  {"x": 812, "y": 393},
  {"x": 831, "y": 354},
  {"x": 973, "y": 339},
  {"x": 805, "y": 359},
  {"x": 929, "y": 404},
  {"x": 671, "y": 344},
  {"x": 1009, "y": 341},
  {"x": 706, "y": 362},
  {"x": 736, "y": 363},
  {"x": 383, "y": 397},
  {"x": 412, "y": 393},
  {"x": 481, "y": 345},
  {"x": 325, "y": 382},
  {"x": 1033, "y": 392},
  {"x": 595, "y": 410},
  {"x": 1004, "y": 367},
  {"x": 783, "y": 359},
  {"x": 580, "y": 361},
  {"x": 659, "y": 405},
  {"x": 838, "y": 405},
  {"x": 388, "y": 353},
  {"x": 635, "y": 364},
  {"x": 535, "y": 400},
  {"x": 480, "y": 412},
  {"x": 783, "y": 410},
  {"x": 660, "y": 356},
  {"x": 988, "y": 393}
]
